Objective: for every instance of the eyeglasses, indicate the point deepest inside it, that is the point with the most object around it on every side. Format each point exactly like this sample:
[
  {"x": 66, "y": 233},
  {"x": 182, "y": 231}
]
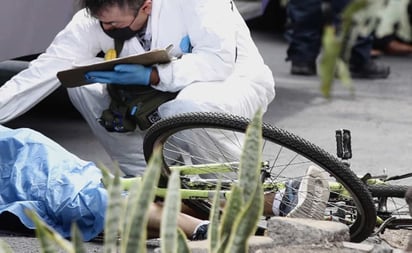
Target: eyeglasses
[{"x": 119, "y": 24}]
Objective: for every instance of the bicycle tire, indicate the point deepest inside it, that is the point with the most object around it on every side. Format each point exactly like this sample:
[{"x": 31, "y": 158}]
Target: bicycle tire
[
  {"x": 390, "y": 202},
  {"x": 160, "y": 132},
  {"x": 388, "y": 190}
]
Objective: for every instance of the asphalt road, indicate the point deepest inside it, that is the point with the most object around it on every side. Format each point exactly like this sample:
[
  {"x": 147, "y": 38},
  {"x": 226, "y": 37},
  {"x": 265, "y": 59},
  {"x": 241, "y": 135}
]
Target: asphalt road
[{"x": 378, "y": 113}]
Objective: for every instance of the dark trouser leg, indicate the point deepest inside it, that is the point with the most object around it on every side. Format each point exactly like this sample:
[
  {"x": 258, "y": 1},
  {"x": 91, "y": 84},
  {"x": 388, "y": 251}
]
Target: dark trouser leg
[
  {"x": 305, "y": 32},
  {"x": 361, "y": 51}
]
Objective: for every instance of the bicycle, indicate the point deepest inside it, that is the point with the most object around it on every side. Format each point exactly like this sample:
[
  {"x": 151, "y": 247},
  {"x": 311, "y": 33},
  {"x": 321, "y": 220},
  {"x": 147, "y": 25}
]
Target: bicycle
[
  {"x": 207, "y": 146},
  {"x": 392, "y": 210}
]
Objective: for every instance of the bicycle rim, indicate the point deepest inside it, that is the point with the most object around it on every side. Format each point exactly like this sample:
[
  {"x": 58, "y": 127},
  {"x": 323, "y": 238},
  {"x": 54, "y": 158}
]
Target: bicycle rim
[{"x": 213, "y": 138}]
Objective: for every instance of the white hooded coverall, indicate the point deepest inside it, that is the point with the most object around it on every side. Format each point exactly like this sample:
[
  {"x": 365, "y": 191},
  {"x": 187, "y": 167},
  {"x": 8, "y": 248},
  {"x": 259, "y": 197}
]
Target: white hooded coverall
[{"x": 224, "y": 72}]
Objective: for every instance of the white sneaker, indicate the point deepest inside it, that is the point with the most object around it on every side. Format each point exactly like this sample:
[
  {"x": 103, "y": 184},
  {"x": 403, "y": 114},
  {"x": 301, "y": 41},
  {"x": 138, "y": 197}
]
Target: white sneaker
[{"x": 306, "y": 198}]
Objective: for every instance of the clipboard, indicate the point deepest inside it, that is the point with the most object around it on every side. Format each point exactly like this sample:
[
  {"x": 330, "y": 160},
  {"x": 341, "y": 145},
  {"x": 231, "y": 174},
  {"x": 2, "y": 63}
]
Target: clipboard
[{"x": 75, "y": 77}]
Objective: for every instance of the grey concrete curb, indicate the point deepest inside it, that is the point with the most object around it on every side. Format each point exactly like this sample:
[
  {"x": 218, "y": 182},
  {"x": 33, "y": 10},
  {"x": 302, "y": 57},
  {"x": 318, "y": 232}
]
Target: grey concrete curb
[{"x": 294, "y": 235}]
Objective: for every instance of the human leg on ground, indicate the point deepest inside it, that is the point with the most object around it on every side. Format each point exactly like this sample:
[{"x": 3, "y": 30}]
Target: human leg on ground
[
  {"x": 186, "y": 222},
  {"x": 301, "y": 198}
]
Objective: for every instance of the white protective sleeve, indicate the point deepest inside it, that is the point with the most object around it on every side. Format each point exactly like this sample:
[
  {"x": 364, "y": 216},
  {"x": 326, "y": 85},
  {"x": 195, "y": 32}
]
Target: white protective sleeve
[
  {"x": 212, "y": 32},
  {"x": 32, "y": 85},
  {"x": 223, "y": 51}
]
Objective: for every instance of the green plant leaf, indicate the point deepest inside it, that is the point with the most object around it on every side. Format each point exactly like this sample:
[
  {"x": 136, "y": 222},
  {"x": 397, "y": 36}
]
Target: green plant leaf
[
  {"x": 349, "y": 31},
  {"x": 170, "y": 214},
  {"x": 48, "y": 236},
  {"x": 182, "y": 246},
  {"x": 112, "y": 218},
  {"x": 232, "y": 209},
  {"x": 251, "y": 157},
  {"x": 128, "y": 183},
  {"x": 77, "y": 239},
  {"x": 246, "y": 223},
  {"x": 213, "y": 232},
  {"x": 337, "y": 47},
  {"x": 5, "y": 248},
  {"x": 246, "y": 199},
  {"x": 135, "y": 234},
  {"x": 327, "y": 66},
  {"x": 344, "y": 74},
  {"x": 107, "y": 177}
]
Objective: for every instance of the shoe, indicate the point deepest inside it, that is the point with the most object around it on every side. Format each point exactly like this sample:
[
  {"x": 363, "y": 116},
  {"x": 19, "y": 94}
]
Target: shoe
[
  {"x": 200, "y": 232},
  {"x": 370, "y": 70},
  {"x": 306, "y": 198},
  {"x": 303, "y": 68}
]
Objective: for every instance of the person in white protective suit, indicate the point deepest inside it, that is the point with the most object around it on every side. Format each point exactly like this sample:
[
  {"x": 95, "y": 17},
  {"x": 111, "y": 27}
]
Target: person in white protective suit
[{"x": 217, "y": 67}]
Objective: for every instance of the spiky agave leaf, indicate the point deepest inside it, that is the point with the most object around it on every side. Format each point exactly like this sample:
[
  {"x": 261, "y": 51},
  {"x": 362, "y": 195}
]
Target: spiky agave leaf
[
  {"x": 77, "y": 239},
  {"x": 47, "y": 236},
  {"x": 5, "y": 248},
  {"x": 232, "y": 209},
  {"x": 130, "y": 209},
  {"x": 213, "y": 232},
  {"x": 331, "y": 52},
  {"x": 250, "y": 162},
  {"x": 344, "y": 74},
  {"x": 135, "y": 233},
  {"x": 182, "y": 246},
  {"x": 112, "y": 216},
  {"x": 337, "y": 47},
  {"x": 107, "y": 177},
  {"x": 246, "y": 223},
  {"x": 168, "y": 230}
]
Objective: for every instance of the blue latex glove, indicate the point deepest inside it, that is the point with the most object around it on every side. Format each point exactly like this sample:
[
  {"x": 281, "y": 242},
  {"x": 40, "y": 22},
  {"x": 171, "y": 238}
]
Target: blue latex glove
[
  {"x": 123, "y": 74},
  {"x": 185, "y": 45}
]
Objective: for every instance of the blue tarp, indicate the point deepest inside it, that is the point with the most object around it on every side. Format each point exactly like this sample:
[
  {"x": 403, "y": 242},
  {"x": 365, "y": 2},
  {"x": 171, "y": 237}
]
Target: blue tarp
[{"x": 36, "y": 173}]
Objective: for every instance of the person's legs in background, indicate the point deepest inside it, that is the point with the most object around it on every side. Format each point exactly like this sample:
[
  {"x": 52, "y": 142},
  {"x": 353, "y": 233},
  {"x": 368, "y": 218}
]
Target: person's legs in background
[
  {"x": 304, "y": 35},
  {"x": 307, "y": 19},
  {"x": 361, "y": 64}
]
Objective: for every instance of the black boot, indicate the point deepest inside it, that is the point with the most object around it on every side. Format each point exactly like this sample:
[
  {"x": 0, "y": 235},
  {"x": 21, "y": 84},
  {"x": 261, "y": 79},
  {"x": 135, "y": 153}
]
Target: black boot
[
  {"x": 303, "y": 68},
  {"x": 370, "y": 70}
]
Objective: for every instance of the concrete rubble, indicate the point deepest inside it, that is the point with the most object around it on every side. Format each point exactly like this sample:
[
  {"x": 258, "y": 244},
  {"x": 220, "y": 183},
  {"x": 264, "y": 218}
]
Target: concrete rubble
[
  {"x": 291, "y": 235},
  {"x": 283, "y": 236}
]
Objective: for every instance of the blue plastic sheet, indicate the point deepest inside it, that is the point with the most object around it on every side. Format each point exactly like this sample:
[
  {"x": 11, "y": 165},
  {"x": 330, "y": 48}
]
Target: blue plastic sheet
[{"x": 36, "y": 173}]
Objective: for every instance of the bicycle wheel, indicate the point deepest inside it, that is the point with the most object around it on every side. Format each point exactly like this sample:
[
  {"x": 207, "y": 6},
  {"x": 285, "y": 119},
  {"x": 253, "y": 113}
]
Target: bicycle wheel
[{"x": 207, "y": 139}]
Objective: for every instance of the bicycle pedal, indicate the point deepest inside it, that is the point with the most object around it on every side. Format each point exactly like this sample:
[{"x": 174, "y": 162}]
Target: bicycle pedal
[{"x": 260, "y": 231}]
